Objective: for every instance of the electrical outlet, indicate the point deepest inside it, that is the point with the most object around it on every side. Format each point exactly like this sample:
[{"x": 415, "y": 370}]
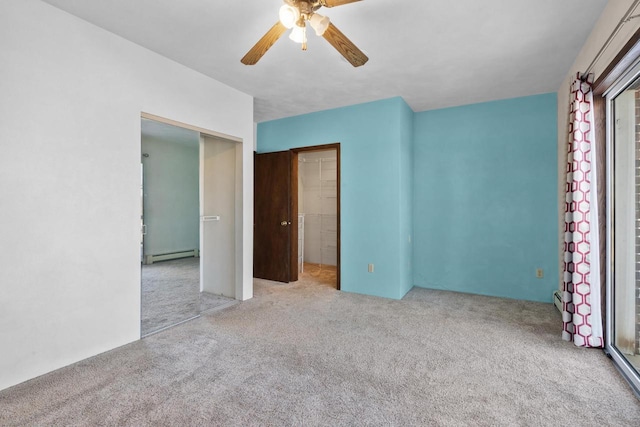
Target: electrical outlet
[
  {"x": 370, "y": 268},
  {"x": 539, "y": 273}
]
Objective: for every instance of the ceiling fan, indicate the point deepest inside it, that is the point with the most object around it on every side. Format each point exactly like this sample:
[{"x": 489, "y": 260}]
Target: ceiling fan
[{"x": 294, "y": 15}]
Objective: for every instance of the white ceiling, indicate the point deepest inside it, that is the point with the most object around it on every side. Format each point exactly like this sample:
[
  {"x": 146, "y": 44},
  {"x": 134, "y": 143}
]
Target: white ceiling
[{"x": 432, "y": 53}]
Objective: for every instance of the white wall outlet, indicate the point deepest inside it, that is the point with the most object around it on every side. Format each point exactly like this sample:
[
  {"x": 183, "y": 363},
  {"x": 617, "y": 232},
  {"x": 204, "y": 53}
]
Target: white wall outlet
[
  {"x": 370, "y": 268},
  {"x": 539, "y": 273}
]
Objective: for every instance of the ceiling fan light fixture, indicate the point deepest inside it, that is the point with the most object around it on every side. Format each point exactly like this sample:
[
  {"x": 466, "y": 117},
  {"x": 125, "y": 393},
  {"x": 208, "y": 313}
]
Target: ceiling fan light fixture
[
  {"x": 298, "y": 34},
  {"x": 319, "y": 23},
  {"x": 294, "y": 15},
  {"x": 289, "y": 15}
]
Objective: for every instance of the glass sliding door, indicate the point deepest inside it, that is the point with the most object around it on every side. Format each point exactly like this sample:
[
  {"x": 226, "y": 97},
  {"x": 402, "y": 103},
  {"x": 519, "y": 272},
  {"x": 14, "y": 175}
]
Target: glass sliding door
[{"x": 623, "y": 216}]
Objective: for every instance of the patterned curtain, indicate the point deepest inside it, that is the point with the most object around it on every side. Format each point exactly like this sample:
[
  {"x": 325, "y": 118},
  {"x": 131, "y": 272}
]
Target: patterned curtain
[{"x": 581, "y": 296}]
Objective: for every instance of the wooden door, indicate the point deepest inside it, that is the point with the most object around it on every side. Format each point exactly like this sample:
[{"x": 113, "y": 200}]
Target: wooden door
[{"x": 274, "y": 224}]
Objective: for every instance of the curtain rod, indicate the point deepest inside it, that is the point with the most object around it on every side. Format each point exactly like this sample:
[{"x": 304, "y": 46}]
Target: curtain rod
[{"x": 626, "y": 18}]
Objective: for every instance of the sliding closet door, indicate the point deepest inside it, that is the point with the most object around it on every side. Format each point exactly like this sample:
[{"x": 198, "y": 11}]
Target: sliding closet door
[{"x": 218, "y": 216}]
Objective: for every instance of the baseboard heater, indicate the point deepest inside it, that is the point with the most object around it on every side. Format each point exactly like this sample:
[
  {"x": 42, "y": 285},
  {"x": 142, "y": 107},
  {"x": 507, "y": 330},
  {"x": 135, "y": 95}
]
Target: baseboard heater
[
  {"x": 557, "y": 300},
  {"x": 150, "y": 259}
]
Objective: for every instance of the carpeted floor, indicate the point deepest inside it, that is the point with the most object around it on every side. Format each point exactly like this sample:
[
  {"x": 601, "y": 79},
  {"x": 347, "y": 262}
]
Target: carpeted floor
[
  {"x": 210, "y": 302},
  {"x": 306, "y": 354},
  {"x": 171, "y": 294}
]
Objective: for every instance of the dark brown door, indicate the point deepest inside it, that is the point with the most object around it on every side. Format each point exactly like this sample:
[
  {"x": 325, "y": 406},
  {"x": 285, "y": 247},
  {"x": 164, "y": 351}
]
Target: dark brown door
[{"x": 273, "y": 225}]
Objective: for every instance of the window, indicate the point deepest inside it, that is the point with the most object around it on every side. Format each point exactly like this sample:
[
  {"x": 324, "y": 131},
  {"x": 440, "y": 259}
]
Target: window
[{"x": 623, "y": 223}]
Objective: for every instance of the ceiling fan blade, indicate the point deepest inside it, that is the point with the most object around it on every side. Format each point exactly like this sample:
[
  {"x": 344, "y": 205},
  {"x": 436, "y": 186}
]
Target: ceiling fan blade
[
  {"x": 332, "y": 3},
  {"x": 263, "y": 45},
  {"x": 343, "y": 45}
]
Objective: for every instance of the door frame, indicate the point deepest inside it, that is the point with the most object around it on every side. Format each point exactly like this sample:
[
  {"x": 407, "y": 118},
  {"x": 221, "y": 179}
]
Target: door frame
[
  {"x": 294, "y": 206},
  {"x": 240, "y": 230}
]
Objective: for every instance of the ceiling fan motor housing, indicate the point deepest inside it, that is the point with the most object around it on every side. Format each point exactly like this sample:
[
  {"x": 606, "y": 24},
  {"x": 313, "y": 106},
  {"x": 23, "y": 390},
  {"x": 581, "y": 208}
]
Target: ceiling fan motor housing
[
  {"x": 294, "y": 15},
  {"x": 305, "y": 7}
]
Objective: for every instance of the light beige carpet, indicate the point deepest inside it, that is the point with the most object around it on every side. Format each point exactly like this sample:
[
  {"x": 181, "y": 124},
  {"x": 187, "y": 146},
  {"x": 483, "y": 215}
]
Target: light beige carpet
[
  {"x": 305, "y": 354},
  {"x": 171, "y": 294}
]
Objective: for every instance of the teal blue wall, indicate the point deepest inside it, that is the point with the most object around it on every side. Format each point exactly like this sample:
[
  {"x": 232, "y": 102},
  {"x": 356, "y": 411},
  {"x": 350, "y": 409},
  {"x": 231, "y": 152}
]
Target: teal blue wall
[
  {"x": 461, "y": 199},
  {"x": 485, "y": 206},
  {"x": 406, "y": 199},
  {"x": 374, "y": 140}
]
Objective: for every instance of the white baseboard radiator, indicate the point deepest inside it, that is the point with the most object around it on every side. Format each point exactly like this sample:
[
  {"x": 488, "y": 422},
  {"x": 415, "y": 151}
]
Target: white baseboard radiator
[
  {"x": 150, "y": 259},
  {"x": 557, "y": 300}
]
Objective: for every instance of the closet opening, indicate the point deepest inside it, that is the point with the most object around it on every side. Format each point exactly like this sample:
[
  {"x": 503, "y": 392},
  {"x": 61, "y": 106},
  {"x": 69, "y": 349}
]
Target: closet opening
[{"x": 191, "y": 222}]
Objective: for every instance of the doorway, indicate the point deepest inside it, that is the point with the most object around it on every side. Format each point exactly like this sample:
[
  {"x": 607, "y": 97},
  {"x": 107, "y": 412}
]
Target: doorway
[
  {"x": 317, "y": 216},
  {"x": 190, "y": 193},
  {"x": 279, "y": 230}
]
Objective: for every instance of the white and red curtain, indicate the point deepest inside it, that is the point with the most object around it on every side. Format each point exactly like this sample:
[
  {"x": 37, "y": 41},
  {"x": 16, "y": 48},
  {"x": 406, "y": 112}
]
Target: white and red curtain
[{"x": 581, "y": 296}]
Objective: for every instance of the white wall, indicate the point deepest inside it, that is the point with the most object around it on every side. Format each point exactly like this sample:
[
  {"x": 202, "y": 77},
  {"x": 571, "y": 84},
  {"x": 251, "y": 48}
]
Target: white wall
[
  {"x": 612, "y": 14},
  {"x": 171, "y": 195},
  {"x": 70, "y": 105}
]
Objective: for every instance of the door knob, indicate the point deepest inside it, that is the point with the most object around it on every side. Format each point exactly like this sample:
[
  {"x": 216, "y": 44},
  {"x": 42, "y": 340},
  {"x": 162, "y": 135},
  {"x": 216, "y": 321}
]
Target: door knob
[{"x": 283, "y": 223}]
